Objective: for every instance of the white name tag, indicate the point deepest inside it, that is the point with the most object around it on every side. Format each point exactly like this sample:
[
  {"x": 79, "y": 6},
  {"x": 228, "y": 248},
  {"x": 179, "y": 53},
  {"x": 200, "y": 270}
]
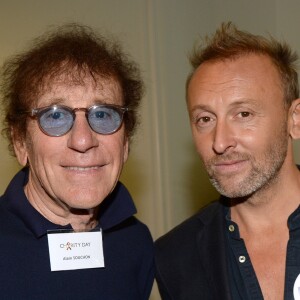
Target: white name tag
[{"x": 75, "y": 250}]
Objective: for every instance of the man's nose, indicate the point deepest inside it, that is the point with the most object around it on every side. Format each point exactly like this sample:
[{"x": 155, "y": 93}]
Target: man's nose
[
  {"x": 82, "y": 137},
  {"x": 223, "y": 137}
]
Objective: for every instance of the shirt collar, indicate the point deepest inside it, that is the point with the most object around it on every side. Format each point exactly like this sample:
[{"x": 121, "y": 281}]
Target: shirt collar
[
  {"x": 293, "y": 222},
  {"x": 116, "y": 208}
]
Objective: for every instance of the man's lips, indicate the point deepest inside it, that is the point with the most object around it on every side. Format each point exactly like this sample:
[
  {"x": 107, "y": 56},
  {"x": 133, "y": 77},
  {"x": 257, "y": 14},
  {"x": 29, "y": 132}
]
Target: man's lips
[
  {"x": 73, "y": 168},
  {"x": 228, "y": 166},
  {"x": 228, "y": 163},
  {"x": 83, "y": 168}
]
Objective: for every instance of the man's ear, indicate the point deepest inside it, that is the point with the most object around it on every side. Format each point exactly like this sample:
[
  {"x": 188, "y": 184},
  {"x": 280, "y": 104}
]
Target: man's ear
[
  {"x": 20, "y": 149},
  {"x": 295, "y": 119},
  {"x": 126, "y": 149}
]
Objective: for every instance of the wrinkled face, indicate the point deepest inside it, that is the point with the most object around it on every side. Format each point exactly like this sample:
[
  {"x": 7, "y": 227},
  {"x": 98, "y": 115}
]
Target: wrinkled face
[
  {"x": 81, "y": 168},
  {"x": 239, "y": 123}
]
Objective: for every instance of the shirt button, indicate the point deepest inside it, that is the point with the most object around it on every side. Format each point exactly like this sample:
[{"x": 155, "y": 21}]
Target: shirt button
[
  {"x": 242, "y": 259},
  {"x": 231, "y": 228}
]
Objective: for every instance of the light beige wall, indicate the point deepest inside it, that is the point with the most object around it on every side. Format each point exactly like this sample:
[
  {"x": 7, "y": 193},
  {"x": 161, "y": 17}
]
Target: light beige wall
[
  {"x": 20, "y": 21},
  {"x": 177, "y": 24},
  {"x": 163, "y": 173}
]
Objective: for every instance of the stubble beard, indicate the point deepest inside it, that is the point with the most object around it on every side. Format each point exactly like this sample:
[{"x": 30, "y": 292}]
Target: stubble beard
[{"x": 264, "y": 170}]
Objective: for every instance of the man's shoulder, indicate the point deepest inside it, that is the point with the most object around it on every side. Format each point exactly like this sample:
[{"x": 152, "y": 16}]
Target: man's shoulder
[
  {"x": 185, "y": 233},
  {"x": 180, "y": 255},
  {"x": 3, "y": 206}
]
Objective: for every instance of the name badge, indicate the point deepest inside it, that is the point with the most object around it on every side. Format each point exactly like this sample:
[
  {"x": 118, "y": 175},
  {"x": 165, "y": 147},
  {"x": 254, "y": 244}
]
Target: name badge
[{"x": 75, "y": 250}]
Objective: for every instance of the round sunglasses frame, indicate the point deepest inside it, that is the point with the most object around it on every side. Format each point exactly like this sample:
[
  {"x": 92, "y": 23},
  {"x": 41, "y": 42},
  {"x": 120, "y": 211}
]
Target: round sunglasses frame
[{"x": 36, "y": 113}]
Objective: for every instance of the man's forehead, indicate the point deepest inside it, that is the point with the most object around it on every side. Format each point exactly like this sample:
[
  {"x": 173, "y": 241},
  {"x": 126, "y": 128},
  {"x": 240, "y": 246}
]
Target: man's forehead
[
  {"x": 72, "y": 79},
  {"x": 252, "y": 77},
  {"x": 61, "y": 82},
  {"x": 234, "y": 71}
]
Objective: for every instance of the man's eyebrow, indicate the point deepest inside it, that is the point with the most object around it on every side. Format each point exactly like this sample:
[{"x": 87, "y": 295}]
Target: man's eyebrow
[
  {"x": 62, "y": 101},
  {"x": 200, "y": 107},
  {"x": 246, "y": 101},
  {"x": 238, "y": 102},
  {"x": 104, "y": 101},
  {"x": 51, "y": 101}
]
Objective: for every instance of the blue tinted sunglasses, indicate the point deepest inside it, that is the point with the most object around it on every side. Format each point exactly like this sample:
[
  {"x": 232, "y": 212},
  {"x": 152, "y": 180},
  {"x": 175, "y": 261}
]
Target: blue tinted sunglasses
[{"x": 57, "y": 120}]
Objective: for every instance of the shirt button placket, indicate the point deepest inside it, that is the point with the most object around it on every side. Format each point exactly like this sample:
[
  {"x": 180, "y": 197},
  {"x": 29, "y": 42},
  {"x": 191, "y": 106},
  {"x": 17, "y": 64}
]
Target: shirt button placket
[
  {"x": 242, "y": 259},
  {"x": 231, "y": 228}
]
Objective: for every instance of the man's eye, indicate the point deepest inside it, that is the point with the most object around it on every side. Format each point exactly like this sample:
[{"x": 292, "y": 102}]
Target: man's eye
[
  {"x": 101, "y": 114},
  {"x": 56, "y": 115},
  {"x": 244, "y": 114},
  {"x": 204, "y": 119}
]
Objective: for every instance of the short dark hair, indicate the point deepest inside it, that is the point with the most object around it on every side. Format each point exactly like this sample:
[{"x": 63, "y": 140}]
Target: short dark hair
[
  {"x": 71, "y": 49},
  {"x": 230, "y": 43}
]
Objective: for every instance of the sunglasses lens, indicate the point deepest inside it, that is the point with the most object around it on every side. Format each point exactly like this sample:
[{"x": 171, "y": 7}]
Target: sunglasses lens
[
  {"x": 105, "y": 119},
  {"x": 58, "y": 120},
  {"x": 55, "y": 121}
]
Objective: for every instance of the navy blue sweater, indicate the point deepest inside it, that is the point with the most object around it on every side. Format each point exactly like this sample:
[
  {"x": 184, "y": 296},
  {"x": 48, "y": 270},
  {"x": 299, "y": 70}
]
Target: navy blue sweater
[{"x": 24, "y": 255}]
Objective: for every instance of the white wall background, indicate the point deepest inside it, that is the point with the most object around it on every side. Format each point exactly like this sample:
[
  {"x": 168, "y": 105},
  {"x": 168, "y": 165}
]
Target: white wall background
[{"x": 163, "y": 173}]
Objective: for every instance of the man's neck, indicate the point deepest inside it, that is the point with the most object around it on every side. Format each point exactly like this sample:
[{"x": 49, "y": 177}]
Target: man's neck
[
  {"x": 271, "y": 205},
  {"x": 262, "y": 221},
  {"x": 60, "y": 214}
]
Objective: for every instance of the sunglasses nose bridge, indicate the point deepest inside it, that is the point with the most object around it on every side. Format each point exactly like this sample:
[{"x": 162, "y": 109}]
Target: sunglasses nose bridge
[
  {"x": 80, "y": 109},
  {"x": 83, "y": 109}
]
